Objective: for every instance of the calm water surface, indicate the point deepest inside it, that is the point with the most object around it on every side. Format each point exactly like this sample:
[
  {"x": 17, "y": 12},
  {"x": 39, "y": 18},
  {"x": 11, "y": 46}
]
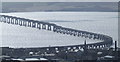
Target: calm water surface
[{"x": 98, "y": 22}]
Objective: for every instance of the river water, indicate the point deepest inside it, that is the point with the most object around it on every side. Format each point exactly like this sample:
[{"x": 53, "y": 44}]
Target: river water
[{"x": 19, "y": 36}]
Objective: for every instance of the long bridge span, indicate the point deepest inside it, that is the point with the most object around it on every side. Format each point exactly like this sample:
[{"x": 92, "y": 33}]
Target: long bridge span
[{"x": 107, "y": 40}]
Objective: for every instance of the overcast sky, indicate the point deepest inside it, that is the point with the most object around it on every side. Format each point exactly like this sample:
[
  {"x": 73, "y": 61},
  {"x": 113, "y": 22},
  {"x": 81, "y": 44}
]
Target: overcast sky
[{"x": 60, "y": 0}]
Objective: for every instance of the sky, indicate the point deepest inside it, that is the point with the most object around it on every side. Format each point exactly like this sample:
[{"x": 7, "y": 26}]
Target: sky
[{"x": 60, "y": 0}]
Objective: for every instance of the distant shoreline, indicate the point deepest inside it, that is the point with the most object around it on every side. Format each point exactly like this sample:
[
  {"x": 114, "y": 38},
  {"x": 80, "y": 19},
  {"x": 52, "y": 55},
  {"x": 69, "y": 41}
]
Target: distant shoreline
[
  {"x": 8, "y": 7},
  {"x": 61, "y": 11}
]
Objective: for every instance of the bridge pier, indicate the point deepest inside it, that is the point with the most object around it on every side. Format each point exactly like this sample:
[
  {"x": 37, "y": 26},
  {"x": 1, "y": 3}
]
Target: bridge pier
[
  {"x": 49, "y": 27},
  {"x": 38, "y": 25},
  {"x": 63, "y": 31},
  {"x": 1, "y": 18},
  {"x": 74, "y": 33},
  {"x": 43, "y": 26},
  {"x": 24, "y": 23},
  {"x": 79, "y": 34},
  {"x": 71, "y": 32},
  {"x": 90, "y": 36},
  {"x": 29, "y": 24},
  {"x": 67, "y": 31},
  {"x": 85, "y": 35},
  {"x": 82, "y": 34},
  {"x": 4, "y": 19},
  {"x": 60, "y": 30},
  {"x": 20, "y": 22},
  {"x": 12, "y": 21},
  {"x": 33, "y": 24},
  {"x": 57, "y": 29},
  {"x": 8, "y": 20},
  {"x": 101, "y": 37},
  {"x": 95, "y": 36},
  {"x": 16, "y": 21},
  {"x": 54, "y": 29}
]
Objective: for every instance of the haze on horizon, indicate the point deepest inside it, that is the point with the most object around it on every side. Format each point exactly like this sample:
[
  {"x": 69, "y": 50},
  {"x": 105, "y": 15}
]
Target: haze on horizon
[
  {"x": 59, "y": 0},
  {"x": 59, "y": 6}
]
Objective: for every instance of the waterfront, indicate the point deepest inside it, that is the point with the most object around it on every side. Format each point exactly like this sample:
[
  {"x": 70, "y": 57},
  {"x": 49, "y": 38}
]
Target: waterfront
[
  {"x": 98, "y": 22},
  {"x": 69, "y": 53}
]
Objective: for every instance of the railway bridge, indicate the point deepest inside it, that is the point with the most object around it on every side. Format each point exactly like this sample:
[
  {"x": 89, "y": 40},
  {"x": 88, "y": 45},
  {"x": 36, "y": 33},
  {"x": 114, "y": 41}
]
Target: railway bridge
[{"x": 107, "y": 40}]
